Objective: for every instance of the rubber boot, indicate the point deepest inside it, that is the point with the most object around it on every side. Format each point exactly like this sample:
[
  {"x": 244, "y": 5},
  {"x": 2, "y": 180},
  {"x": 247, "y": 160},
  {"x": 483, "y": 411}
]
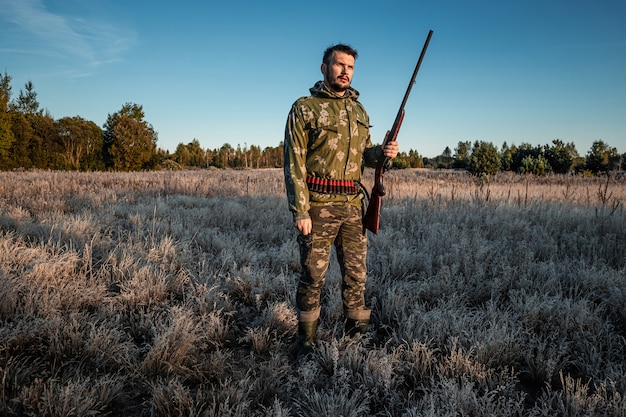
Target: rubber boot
[
  {"x": 306, "y": 338},
  {"x": 354, "y": 327}
]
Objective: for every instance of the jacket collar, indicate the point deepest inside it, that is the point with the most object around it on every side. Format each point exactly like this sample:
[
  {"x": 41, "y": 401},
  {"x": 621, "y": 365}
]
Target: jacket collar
[{"x": 321, "y": 90}]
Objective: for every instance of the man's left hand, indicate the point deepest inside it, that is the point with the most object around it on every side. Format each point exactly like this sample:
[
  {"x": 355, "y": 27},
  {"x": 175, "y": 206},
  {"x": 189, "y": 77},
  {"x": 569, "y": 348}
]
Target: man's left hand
[{"x": 390, "y": 150}]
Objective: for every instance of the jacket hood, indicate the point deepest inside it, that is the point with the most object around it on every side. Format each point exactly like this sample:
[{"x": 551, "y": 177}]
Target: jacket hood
[{"x": 321, "y": 90}]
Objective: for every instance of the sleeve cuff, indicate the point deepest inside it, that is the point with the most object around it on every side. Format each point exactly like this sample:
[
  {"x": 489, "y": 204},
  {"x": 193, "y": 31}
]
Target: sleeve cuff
[{"x": 301, "y": 216}]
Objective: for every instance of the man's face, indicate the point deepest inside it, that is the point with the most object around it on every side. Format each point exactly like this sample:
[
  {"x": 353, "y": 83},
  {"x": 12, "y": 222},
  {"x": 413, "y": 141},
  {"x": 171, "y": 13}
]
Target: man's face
[{"x": 338, "y": 74}]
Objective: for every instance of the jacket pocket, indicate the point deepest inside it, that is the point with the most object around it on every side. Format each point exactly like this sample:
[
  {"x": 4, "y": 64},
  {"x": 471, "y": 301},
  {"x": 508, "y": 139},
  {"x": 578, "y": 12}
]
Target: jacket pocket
[
  {"x": 321, "y": 131},
  {"x": 363, "y": 133}
]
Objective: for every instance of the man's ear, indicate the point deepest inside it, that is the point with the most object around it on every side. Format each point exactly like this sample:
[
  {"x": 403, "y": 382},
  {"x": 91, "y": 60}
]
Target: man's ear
[{"x": 323, "y": 68}]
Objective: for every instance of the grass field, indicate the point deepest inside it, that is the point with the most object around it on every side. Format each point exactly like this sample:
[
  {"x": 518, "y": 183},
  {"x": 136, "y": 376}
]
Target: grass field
[{"x": 172, "y": 294}]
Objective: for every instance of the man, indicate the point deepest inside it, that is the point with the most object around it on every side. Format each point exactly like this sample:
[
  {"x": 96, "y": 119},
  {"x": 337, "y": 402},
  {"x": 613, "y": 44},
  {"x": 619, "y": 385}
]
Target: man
[{"x": 327, "y": 143}]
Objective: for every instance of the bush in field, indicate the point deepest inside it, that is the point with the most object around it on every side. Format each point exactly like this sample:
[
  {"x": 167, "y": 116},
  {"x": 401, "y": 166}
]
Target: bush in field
[
  {"x": 507, "y": 157},
  {"x": 560, "y": 157},
  {"x": 81, "y": 143},
  {"x": 485, "y": 159},
  {"x": 521, "y": 152},
  {"x": 461, "y": 155},
  {"x": 535, "y": 166},
  {"x": 129, "y": 141},
  {"x": 601, "y": 158}
]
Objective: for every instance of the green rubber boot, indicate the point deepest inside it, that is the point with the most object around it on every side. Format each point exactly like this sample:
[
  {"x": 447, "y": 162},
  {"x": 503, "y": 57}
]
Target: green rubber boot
[
  {"x": 306, "y": 338},
  {"x": 354, "y": 327}
]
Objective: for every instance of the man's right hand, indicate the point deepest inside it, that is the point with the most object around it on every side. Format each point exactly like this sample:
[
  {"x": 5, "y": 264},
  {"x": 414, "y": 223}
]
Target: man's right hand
[{"x": 304, "y": 226}]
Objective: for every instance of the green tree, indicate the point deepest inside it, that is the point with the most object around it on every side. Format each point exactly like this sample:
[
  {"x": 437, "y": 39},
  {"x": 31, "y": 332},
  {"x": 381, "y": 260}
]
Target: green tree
[
  {"x": 415, "y": 159},
  {"x": 255, "y": 156},
  {"x": 485, "y": 159},
  {"x": 445, "y": 160},
  {"x": 560, "y": 156},
  {"x": 159, "y": 157},
  {"x": 275, "y": 156},
  {"x": 208, "y": 157},
  {"x": 27, "y": 101},
  {"x": 80, "y": 141},
  {"x": 191, "y": 154},
  {"x": 23, "y": 134},
  {"x": 521, "y": 152},
  {"x": 7, "y": 139},
  {"x": 181, "y": 155},
  {"x": 129, "y": 141},
  {"x": 599, "y": 157},
  {"x": 223, "y": 156},
  {"x": 35, "y": 141},
  {"x": 535, "y": 165},
  {"x": 401, "y": 161},
  {"x": 27, "y": 150},
  {"x": 507, "y": 156},
  {"x": 461, "y": 155},
  {"x": 45, "y": 149},
  {"x": 197, "y": 156}
]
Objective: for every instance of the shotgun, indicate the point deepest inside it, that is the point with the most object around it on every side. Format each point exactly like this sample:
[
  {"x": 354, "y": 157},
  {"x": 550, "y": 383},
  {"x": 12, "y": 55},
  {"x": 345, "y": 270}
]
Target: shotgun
[{"x": 371, "y": 220}]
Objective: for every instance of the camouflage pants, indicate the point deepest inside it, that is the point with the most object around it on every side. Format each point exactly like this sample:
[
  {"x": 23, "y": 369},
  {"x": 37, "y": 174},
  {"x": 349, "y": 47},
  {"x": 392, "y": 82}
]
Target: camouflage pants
[{"x": 342, "y": 226}]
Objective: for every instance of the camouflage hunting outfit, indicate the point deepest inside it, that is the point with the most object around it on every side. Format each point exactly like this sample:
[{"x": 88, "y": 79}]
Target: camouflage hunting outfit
[{"x": 327, "y": 143}]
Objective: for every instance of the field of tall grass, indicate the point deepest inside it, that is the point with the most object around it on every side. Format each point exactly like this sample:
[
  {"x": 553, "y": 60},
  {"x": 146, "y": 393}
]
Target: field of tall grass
[{"x": 172, "y": 294}]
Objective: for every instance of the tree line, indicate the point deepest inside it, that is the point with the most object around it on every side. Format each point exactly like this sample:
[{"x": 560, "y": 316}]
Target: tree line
[
  {"x": 31, "y": 138},
  {"x": 559, "y": 157}
]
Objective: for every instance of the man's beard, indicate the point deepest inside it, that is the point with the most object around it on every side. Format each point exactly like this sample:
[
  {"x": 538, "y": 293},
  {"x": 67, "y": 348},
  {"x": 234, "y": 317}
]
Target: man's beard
[{"x": 334, "y": 85}]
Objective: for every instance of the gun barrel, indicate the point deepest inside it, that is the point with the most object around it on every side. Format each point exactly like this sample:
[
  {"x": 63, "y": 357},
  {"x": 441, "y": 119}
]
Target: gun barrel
[
  {"x": 371, "y": 220},
  {"x": 415, "y": 71}
]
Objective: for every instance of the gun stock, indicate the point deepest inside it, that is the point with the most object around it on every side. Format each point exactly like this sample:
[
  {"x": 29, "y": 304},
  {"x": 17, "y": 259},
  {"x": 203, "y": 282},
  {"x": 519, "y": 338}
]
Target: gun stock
[{"x": 371, "y": 220}]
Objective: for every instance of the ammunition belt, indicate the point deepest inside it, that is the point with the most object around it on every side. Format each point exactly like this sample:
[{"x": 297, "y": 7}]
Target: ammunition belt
[{"x": 328, "y": 186}]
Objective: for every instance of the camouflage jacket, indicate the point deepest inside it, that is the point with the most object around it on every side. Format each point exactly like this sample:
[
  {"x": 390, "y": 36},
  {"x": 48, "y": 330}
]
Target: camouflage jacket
[{"x": 326, "y": 136}]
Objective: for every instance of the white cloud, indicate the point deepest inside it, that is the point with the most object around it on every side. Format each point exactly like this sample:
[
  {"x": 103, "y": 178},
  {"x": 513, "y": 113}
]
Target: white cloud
[{"x": 87, "y": 43}]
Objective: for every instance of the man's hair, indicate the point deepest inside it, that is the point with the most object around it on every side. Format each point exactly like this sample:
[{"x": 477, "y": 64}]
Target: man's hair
[{"x": 328, "y": 53}]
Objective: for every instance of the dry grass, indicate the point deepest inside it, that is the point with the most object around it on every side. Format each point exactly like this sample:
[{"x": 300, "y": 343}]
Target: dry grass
[{"x": 171, "y": 294}]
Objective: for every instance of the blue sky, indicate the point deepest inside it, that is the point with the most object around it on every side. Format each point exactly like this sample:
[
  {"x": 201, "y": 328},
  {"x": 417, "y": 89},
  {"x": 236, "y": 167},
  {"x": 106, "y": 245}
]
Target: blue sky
[{"x": 495, "y": 71}]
